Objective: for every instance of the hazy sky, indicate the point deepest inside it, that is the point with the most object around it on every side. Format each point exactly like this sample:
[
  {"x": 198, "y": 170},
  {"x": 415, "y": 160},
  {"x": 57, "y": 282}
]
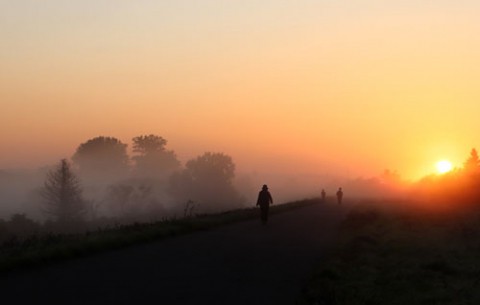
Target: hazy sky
[{"x": 346, "y": 87}]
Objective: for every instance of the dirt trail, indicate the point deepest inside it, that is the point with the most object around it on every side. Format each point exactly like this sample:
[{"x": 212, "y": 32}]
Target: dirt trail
[{"x": 243, "y": 263}]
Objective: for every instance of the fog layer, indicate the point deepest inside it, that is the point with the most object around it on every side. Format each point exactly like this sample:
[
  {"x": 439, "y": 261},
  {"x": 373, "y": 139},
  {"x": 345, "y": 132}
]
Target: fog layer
[{"x": 151, "y": 183}]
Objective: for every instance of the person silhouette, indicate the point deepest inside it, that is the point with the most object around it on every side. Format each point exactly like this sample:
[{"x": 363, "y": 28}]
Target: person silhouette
[
  {"x": 339, "y": 195},
  {"x": 264, "y": 200},
  {"x": 324, "y": 194}
]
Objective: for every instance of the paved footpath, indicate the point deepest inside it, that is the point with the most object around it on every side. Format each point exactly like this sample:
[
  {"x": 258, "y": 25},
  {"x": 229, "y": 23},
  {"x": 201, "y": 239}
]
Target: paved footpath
[{"x": 242, "y": 263}]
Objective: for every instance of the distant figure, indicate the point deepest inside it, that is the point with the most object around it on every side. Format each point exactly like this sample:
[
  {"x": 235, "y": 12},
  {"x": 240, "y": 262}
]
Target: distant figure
[
  {"x": 339, "y": 195},
  {"x": 324, "y": 194},
  {"x": 264, "y": 200}
]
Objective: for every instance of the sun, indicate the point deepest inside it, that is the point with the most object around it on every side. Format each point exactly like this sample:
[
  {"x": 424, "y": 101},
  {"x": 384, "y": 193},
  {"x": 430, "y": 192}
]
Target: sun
[{"x": 443, "y": 166}]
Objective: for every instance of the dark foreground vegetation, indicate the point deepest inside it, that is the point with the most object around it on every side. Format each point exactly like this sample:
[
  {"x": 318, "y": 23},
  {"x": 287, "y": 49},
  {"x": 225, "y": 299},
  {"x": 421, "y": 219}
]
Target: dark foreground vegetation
[
  {"x": 402, "y": 256},
  {"x": 48, "y": 248}
]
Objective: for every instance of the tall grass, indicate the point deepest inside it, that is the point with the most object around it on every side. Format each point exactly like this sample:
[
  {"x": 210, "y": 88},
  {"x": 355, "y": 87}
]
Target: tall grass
[{"x": 401, "y": 257}]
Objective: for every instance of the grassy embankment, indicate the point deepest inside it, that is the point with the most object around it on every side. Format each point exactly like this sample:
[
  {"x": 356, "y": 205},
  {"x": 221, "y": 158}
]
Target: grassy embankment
[
  {"x": 401, "y": 257},
  {"x": 53, "y": 247}
]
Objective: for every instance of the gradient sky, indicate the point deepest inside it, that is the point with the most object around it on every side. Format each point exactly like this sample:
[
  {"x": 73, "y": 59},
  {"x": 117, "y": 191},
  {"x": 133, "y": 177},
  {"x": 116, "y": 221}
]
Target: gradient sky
[{"x": 332, "y": 87}]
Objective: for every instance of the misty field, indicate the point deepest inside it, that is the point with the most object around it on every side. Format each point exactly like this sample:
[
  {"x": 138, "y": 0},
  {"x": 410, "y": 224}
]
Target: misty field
[{"x": 401, "y": 256}]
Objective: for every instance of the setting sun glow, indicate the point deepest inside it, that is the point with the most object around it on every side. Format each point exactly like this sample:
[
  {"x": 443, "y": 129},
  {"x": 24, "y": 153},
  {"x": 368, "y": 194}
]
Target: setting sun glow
[
  {"x": 335, "y": 78},
  {"x": 443, "y": 166}
]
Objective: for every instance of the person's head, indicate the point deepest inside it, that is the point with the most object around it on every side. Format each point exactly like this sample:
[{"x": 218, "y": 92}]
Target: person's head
[{"x": 264, "y": 187}]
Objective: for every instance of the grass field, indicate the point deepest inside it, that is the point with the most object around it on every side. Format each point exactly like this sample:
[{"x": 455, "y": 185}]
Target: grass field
[
  {"x": 49, "y": 248},
  {"x": 401, "y": 256}
]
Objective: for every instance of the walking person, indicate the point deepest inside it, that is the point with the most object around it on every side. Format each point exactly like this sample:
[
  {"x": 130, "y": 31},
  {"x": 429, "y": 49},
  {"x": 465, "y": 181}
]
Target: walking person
[
  {"x": 339, "y": 195},
  {"x": 324, "y": 194},
  {"x": 264, "y": 200}
]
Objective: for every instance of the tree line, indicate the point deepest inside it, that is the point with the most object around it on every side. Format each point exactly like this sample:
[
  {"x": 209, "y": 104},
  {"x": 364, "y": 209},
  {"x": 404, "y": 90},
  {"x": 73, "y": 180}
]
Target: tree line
[
  {"x": 101, "y": 183},
  {"x": 102, "y": 157}
]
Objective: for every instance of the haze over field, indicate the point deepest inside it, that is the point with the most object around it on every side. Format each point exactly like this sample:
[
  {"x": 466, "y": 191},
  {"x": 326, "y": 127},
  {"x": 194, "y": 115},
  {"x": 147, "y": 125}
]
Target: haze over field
[{"x": 304, "y": 92}]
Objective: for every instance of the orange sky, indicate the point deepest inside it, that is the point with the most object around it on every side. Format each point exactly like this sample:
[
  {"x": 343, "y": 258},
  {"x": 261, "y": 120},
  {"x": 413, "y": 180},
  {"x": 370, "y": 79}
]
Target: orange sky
[{"x": 347, "y": 88}]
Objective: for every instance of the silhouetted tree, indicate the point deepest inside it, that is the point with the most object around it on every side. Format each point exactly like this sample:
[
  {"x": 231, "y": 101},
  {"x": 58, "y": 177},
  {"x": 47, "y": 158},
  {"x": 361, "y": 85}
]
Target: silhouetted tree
[
  {"x": 102, "y": 156},
  {"x": 391, "y": 177},
  {"x": 133, "y": 202},
  {"x": 153, "y": 159},
  {"x": 145, "y": 145},
  {"x": 471, "y": 169},
  {"x": 119, "y": 198},
  {"x": 207, "y": 180},
  {"x": 62, "y": 194},
  {"x": 21, "y": 225},
  {"x": 3, "y": 230},
  {"x": 215, "y": 167},
  {"x": 473, "y": 162}
]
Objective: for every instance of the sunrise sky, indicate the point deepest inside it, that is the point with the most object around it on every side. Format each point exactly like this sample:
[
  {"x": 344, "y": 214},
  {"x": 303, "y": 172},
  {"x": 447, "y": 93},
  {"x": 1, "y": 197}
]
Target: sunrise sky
[{"x": 348, "y": 88}]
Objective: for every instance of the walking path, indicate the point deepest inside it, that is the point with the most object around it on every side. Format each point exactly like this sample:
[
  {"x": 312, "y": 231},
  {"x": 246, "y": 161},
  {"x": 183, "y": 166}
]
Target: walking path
[{"x": 242, "y": 263}]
